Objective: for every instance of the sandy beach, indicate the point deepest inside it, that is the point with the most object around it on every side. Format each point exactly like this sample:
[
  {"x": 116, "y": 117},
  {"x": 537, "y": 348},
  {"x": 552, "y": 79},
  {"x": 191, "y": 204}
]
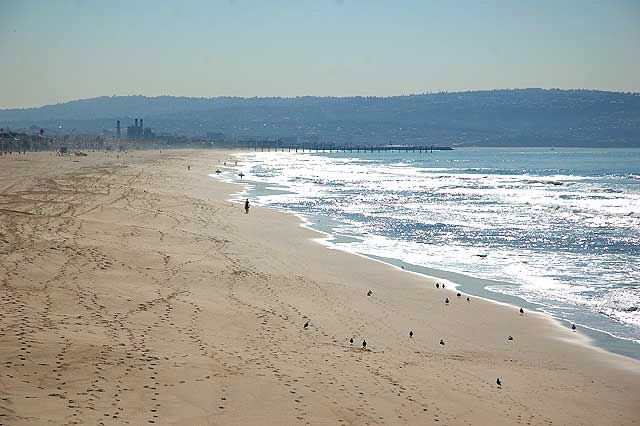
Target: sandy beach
[{"x": 134, "y": 292}]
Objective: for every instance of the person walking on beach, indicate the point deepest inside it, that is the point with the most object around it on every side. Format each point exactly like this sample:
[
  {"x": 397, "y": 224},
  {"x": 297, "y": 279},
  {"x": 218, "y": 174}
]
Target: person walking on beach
[{"x": 246, "y": 206}]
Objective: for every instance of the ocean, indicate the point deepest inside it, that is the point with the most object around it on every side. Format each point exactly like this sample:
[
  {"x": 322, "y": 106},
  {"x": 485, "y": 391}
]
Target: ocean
[{"x": 556, "y": 230}]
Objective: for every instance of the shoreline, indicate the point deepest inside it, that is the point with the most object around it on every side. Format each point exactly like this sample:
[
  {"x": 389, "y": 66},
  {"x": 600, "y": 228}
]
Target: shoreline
[
  {"x": 136, "y": 293},
  {"x": 599, "y": 340}
]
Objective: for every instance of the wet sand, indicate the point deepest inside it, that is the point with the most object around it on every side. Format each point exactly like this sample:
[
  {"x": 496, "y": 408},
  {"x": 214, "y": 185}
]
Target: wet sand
[{"x": 133, "y": 292}]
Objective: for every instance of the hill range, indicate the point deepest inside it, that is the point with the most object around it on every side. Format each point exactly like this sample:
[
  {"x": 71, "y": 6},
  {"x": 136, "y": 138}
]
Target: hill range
[{"x": 519, "y": 117}]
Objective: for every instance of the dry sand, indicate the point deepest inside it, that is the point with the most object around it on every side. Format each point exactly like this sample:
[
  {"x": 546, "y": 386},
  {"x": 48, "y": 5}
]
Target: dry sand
[{"x": 132, "y": 292}]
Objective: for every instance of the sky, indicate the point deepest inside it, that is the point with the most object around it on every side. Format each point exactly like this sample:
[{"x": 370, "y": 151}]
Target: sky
[{"x": 53, "y": 51}]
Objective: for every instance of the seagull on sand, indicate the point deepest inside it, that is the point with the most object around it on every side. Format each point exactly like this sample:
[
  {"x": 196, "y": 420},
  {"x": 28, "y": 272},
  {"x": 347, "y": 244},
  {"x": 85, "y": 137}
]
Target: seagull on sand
[
  {"x": 521, "y": 311},
  {"x": 442, "y": 342},
  {"x": 364, "y": 344},
  {"x": 446, "y": 301},
  {"x": 306, "y": 324},
  {"x": 369, "y": 293},
  {"x": 468, "y": 300},
  {"x": 573, "y": 327},
  {"x": 351, "y": 341},
  {"x": 510, "y": 337},
  {"x": 458, "y": 294},
  {"x": 437, "y": 285},
  {"x": 498, "y": 382},
  {"x": 411, "y": 334}
]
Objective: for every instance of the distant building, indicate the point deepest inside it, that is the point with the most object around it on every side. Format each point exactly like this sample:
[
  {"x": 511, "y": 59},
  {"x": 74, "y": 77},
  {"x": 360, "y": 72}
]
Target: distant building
[
  {"x": 134, "y": 132},
  {"x": 137, "y": 131}
]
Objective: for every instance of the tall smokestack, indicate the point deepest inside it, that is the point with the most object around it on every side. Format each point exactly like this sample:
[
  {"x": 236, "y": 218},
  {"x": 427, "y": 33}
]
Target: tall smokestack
[
  {"x": 118, "y": 129},
  {"x": 136, "y": 122}
]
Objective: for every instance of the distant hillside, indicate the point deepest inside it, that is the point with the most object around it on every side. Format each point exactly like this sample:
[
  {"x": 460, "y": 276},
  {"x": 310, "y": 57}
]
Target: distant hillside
[{"x": 526, "y": 117}]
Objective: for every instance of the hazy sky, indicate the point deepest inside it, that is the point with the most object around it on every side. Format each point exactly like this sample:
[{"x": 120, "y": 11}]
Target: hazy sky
[{"x": 55, "y": 50}]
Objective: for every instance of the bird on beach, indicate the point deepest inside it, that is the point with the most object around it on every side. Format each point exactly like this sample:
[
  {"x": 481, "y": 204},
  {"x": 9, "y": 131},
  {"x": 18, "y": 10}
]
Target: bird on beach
[
  {"x": 468, "y": 300},
  {"x": 458, "y": 294},
  {"x": 306, "y": 324},
  {"x": 573, "y": 327},
  {"x": 442, "y": 342},
  {"x": 437, "y": 285},
  {"x": 411, "y": 334},
  {"x": 521, "y": 311},
  {"x": 498, "y": 382},
  {"x": 364, "y": 344},
  {"x": 369, "y": 293},
  {"x": 510, "y": 337},
  {"x": 351, "y": 341},
  {"x": 446, "y": 301},
  {"x": 442, "y": 285}
]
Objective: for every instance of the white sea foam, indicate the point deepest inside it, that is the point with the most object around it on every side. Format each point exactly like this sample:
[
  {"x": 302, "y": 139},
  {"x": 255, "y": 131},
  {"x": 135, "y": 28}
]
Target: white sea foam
[{"x": 563, "y": 239}]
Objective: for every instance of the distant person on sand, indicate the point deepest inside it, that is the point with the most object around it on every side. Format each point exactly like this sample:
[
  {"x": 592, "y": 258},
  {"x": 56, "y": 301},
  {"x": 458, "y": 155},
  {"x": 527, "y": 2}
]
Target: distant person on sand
[{"x": 246, "y": 206}]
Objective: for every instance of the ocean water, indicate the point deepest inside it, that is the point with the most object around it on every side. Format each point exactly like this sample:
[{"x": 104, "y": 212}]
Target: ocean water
[{"x": 557, "y": 228}]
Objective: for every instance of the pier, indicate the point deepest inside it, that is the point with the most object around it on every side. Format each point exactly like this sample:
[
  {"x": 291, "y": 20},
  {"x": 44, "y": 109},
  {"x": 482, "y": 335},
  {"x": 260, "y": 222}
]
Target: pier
[{"x": 279, "y": 146}]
